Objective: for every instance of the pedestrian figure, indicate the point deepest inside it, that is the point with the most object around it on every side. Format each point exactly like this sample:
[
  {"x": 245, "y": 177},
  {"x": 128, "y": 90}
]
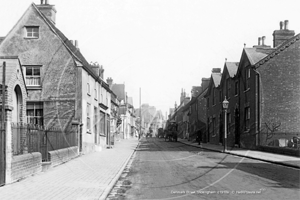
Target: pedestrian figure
[{"x": 199, "y": 133}]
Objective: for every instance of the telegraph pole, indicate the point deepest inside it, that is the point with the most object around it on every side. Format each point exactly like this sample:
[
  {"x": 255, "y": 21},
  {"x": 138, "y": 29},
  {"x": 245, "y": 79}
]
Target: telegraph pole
[{"x": 140, "y": 115}]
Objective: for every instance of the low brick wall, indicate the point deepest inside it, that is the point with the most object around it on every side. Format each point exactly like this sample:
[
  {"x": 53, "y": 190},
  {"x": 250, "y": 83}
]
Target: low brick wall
[
  {"x": 25, "y": 165},
  {"x": 60, "y": 156}
]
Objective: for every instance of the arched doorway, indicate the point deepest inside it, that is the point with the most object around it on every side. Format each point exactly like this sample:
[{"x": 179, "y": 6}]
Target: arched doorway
[
  {"x": 17, "y": 104},
  {"x": 16, "y": 117}
]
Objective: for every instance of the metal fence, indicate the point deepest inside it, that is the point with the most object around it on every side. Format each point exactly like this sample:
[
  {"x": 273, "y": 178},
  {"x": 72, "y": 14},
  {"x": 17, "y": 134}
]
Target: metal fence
[{"x": 28, "y": 138}]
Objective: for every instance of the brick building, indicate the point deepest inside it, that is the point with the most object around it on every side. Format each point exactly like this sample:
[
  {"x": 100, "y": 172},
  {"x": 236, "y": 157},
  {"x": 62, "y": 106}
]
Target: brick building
[
  {"x": 214, "y": 108},
  {"x": 230, "y": 87},
  {"x": 263, "y": 94},
  {"x": 278, "y": 75}
]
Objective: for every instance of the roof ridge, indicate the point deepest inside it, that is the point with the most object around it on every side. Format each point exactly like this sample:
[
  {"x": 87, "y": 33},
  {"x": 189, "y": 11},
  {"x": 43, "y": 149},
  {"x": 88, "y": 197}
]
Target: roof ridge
[
  {"x": 279, "y": 49},
  {"x": 50, "y": 26}
]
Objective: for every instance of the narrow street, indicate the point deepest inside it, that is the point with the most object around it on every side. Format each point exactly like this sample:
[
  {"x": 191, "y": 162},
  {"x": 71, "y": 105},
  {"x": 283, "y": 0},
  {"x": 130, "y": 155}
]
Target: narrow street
[{"x": 172, "y": 170}]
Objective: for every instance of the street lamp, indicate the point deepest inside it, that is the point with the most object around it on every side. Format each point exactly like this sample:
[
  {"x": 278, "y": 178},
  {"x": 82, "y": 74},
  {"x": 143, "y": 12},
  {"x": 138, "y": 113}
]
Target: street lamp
[{"x": 225, "y": 106}]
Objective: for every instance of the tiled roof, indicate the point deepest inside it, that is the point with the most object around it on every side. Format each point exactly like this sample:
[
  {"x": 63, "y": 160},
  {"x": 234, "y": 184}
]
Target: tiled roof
[
  {"x": 232, "y": 68},
  {"x": 277, "y": 51},
  {"x": 71, "y": 48},
  {"x": 216, "y": 78},
  {"x": 119, "y": 90},
  {"x": 1, "y": 39},
  {"x": 256, "y": 54}
]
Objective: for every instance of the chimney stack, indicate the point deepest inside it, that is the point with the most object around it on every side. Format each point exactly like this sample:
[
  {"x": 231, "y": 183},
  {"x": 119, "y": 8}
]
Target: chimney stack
[
  {"x": 281, "y": 35},
  {"x": 263, "y": 40},
  {"x": 286, "y": 23},
  {"x": 280, "y": 25},
  {"x": 205, "y": 83},
  {"x": 259, "y": 39},
  {"x": 216, "y": 70},
  {"x": 48, "y": 10},
  {"x": 109, "y": 81}
]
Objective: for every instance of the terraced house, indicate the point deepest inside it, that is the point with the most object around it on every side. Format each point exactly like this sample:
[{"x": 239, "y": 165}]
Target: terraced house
[{"x": 263, "y": 93}]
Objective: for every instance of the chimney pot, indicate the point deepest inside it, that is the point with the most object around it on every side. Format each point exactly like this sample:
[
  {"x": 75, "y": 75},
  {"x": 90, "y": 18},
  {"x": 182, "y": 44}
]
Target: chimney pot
[
  {"x": 216, "y": 70},
  {"x": 286, "y": 23},
  {"x": 281, "y": 25},
  {"x": 47, "y": 2},
  {"x": 259, "y": 39},
  {"x": 76, "y": 43},
  {"x": 263, "y": 40},
  {"x": 42, "y": 2}
]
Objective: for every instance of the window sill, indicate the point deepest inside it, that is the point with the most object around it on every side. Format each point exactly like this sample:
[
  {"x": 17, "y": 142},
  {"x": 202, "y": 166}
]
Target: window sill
[
  {"x": 30, "y": 38},
  {"x": 34, "y": 87}
]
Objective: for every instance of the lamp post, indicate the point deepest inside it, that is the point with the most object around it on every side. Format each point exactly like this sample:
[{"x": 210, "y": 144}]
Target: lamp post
[{"x": 225, "y": 106}]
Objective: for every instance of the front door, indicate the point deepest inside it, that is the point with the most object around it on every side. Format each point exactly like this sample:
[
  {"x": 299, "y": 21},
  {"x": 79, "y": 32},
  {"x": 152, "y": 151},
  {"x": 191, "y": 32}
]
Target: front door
[{"x": 237, "y": 126}]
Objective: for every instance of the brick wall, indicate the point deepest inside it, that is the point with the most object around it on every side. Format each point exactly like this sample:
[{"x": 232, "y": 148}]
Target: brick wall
[
  {"x": 25, "y": 165},
  {"x": 60, "y": 156},
  {"x": 280, "y": 93}
]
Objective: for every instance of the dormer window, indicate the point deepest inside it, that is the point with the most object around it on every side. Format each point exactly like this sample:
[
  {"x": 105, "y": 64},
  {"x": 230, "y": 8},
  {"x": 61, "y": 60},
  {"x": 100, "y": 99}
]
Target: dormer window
[{"x": 32, "y": 31}]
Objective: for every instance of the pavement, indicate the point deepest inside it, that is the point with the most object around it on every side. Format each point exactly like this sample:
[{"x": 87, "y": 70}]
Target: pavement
[
  {"x": 290, "y": 161},
  {"x": 90, "y": 176}
]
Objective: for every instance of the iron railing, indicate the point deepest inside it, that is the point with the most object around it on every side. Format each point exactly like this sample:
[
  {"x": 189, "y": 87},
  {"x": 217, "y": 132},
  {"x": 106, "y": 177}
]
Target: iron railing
[{"x": 28, "y": 138}]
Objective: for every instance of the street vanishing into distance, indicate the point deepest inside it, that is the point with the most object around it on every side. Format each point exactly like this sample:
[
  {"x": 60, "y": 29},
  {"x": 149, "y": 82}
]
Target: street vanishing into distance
[{"x": 173, "y": 170}]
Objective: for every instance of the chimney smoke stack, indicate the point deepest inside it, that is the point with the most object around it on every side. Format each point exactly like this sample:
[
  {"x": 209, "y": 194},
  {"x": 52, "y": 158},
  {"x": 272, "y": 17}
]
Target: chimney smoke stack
[
  {"x": 286, "y": 24},
  {"x": 281, "y": 25},
  {"x": 76, "y": 44},
  {"x": 47, "y": 2},
  {"x": 259, "y": 39},
  {"x": 42, "y": 2},
  {"x": 263, "y": 40}
]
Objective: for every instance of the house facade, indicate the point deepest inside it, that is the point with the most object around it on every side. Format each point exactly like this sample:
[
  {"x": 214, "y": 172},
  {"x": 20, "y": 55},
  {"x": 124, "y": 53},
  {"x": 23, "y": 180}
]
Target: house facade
[
  {"x": 230, "y": 87},
  {"x": 63, "y": 88},
  {"x": 214, "y": 112},
  {"x": 278, "y": 75},
  {"x": 263, "y": 94}
]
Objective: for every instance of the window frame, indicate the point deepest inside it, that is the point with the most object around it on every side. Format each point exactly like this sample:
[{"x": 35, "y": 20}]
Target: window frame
[
  {"x": 38, "y": 77},
  {"x": 247, "y": 118},
  {"x": 236, "y": 88},
  {"x": 88, "y": 117},
  {"x": 36, "y": 118},
  {"x": 32, "y": 32},
  {"x": 247, "y": 77}
]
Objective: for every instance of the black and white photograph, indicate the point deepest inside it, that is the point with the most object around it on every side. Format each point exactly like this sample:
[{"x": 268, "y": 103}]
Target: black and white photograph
[{"x": 149, "y": 99}]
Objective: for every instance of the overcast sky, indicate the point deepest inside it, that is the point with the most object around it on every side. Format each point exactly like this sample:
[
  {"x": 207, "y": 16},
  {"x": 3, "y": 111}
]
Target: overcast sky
[{"x": 162, "y": 46}]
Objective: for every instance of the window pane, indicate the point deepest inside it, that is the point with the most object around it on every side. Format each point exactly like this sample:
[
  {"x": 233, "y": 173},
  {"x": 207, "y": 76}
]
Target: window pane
[
  {"x": 32, "y": 32},
  {"x": 36, "y": 34},
  {"x": 36, "y": 71},
  {"x": 30, "y": 113},
  {"x": 39, "y": 112},
  {"x": 28, "y": 71}
]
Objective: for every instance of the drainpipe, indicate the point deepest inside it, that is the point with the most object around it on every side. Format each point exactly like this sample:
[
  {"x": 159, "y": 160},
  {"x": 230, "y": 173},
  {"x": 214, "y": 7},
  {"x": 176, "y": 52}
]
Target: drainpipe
[{"x": 257, "y": 102}]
